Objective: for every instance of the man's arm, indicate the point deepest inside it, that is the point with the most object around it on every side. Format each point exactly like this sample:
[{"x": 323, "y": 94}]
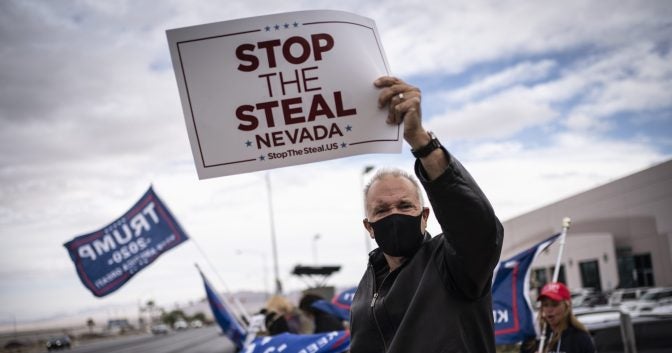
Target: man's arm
[
  {"x": 472, "y": 231},
  {"x": 473, "y": 234}
]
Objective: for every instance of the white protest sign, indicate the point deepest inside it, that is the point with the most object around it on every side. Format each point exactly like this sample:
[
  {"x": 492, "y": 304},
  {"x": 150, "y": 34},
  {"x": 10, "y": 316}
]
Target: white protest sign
[{"x": 279, "y": 90}]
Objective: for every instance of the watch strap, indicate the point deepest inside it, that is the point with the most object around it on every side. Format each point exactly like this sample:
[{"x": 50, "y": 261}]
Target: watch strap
[{"x": 425, "y": 150}]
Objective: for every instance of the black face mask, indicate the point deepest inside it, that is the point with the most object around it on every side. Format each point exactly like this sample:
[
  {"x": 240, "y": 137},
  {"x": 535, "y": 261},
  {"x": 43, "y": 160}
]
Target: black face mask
[{"x": 398, "y": 234}]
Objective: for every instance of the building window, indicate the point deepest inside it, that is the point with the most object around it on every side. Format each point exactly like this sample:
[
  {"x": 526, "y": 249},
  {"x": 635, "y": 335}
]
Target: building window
[
  {"x": 634, "y": 270},
  {"x": 590, "y": 275},
  {"x": 643, "y": 270},
  {"x": 561, "y": 274},
  {"x": 538, "y": 278},
  {"x": 541, "y": 276},
  {"x": 626, "y": 268}
]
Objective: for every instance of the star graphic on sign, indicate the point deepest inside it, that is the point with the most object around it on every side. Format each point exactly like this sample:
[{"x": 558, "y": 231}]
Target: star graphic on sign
[
  {"x": 277, "y": 27},
  {"x": 296, "y": 24},
  {"x": 344, "y": 145},
  {"x": 267, "y": 28},
  {"x": 261, "y": 158},
  {"x": 348, "y": 128},
  {"x": 248, "y": 143},
  {"x": 286, "y": 25}
]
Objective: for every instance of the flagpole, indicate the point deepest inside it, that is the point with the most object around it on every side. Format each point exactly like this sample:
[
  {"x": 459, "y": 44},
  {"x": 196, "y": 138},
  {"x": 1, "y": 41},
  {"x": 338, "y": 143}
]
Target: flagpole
[
  {"x": 566, "y": 222},
  {"x": 225, "y": 301},
  {"x": 238, "y": 305}
]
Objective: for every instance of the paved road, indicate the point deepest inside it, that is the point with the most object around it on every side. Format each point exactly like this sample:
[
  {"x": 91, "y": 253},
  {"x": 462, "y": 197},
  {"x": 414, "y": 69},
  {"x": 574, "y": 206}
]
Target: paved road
[{"x": 203, "y": 340}]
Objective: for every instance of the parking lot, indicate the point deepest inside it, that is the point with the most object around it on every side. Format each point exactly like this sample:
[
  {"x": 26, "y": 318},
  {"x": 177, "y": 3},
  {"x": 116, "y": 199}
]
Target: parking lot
[{"x": 649, "y": 310}]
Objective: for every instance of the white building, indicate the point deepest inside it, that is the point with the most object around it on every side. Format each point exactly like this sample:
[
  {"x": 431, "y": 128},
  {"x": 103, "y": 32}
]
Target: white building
[{"x": 620, "y": 236}]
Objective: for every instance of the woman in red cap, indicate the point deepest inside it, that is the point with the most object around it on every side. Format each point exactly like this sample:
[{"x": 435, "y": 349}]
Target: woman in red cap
[{"x": 564, "y": 333}]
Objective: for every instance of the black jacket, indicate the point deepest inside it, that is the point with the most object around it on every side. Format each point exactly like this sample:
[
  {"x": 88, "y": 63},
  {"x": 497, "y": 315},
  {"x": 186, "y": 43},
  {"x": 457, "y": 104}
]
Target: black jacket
[
  {"x": 440, "y": 299},
  {"x": 572, "y": 340}
]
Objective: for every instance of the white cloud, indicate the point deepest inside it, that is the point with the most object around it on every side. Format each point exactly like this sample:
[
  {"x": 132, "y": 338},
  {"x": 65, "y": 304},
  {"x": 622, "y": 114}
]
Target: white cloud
[
  {"x": 519, "y": 74},
  {"x": 450, "y": 36},
  {"x": 633, "y": 79},
  {"x": 591, "y": 90},
  {"x": 497, "y": 116}
]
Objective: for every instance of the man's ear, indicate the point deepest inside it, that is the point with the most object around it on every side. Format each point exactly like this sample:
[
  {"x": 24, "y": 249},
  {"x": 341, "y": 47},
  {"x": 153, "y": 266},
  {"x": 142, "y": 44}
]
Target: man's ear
[
  {"x": 425, "y": 218},
  {"x": 368, "y": 227}
]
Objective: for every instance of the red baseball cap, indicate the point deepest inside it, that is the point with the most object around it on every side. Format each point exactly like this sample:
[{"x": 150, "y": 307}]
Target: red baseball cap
[{"x": 556, "y": 291}]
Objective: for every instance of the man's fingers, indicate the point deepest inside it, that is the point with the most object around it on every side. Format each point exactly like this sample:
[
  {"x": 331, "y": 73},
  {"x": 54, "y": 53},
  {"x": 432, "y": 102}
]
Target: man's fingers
[
  {"x": 387, "y": 93},
  {"x": 386, "y": 81},
  {"x": 399, "y": 97},
  {"x": 400, "y": 108}
]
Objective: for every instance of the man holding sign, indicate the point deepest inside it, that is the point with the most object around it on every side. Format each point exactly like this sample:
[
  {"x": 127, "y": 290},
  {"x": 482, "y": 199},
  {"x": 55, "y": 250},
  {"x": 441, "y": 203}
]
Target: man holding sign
[
  {"x": 422, "y": 293},
  {"x": 292, "y": 88}
]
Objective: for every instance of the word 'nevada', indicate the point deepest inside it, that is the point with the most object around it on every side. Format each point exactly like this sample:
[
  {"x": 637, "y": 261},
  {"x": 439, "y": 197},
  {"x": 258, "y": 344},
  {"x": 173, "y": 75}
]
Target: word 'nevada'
[
  {"x": 295, "y": 50},
  {"x": 292, "y": 111},
  {"x": 109, "y": 242},
  {"x": 304, "y": 134}
]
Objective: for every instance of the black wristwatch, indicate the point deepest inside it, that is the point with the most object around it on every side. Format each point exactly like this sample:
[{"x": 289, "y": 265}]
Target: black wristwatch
[{"x": 425, "y": 150}]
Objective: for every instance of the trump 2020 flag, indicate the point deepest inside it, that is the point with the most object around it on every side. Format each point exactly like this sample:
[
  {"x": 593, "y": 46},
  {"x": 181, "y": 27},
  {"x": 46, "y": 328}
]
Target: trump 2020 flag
[
  {"x": 107, "y": 258},
  {"x": 511, "y": 307},
  {"x": 339, "y": 305},
  {"x": 329, "y": 342},
  {"x": 225, "y": 319}
]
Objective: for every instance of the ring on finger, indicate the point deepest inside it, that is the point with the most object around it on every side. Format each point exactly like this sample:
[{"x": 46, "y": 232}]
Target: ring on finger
[{"x": 401, "y": 96}]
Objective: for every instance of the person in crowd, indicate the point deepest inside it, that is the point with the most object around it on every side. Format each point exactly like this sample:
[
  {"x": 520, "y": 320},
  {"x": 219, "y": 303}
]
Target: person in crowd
[
  {"x": 421, "y": 293},
  {"x": 322, "y": 321},
  {"x": 564, "y": 333},
  {"x": 281, "y": 316}
]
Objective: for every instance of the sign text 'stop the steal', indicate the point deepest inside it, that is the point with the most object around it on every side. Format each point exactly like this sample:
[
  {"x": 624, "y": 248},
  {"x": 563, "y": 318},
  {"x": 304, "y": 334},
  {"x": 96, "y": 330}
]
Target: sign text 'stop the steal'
[{"x": 280, "y": 90}]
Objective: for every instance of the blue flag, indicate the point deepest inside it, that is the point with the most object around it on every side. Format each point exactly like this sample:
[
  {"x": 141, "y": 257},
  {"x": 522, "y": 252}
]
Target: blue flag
[
  {"x": 107, "y": 258},
  {"x": 226, "y": 321},
  {"x": 511, "y": 307},
  {"x": 330, "y": 342},
  {"x": 339, "y": 305}
]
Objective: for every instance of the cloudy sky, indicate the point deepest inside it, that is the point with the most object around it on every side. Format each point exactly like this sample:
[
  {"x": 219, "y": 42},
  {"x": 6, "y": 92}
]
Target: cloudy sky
[{"x": 540, "y": 100}]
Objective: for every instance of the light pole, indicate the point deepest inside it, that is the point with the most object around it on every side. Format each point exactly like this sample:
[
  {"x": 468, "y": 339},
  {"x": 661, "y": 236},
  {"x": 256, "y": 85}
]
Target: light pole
[
  {"x": 315, "y": 239},
  {"x": 263, "y": 257},
  {"x": 365, "y": 171},
  {"x": 274, "y": 247}
]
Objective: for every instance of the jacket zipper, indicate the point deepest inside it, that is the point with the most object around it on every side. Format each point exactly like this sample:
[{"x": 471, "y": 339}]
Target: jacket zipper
[{"x": 373, "y": 312}]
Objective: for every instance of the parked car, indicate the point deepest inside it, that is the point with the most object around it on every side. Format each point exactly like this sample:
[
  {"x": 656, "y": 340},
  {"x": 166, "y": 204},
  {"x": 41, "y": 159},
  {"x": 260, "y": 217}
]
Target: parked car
[
  {"x": 647, "y": 302},
  {"x": 58, "y": 342},
  {"x": 652, "y": 333},
  {"x": 180, "y": 325},
  {"x": 196, "y": 323},
  {"x": 588, "y": 297},
  {"x": 623, "y": 295},
  {"x": 662, "y": 309},
  {"x": 160, "y": 329}
]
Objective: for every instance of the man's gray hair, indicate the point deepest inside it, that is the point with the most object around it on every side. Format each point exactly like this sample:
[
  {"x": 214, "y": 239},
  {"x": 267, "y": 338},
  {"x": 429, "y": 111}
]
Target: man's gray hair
[{"x": 393, "y": 172}]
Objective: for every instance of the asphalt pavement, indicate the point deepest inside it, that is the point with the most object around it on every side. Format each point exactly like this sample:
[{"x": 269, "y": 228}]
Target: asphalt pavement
[{"x": 202, "y": 340}]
